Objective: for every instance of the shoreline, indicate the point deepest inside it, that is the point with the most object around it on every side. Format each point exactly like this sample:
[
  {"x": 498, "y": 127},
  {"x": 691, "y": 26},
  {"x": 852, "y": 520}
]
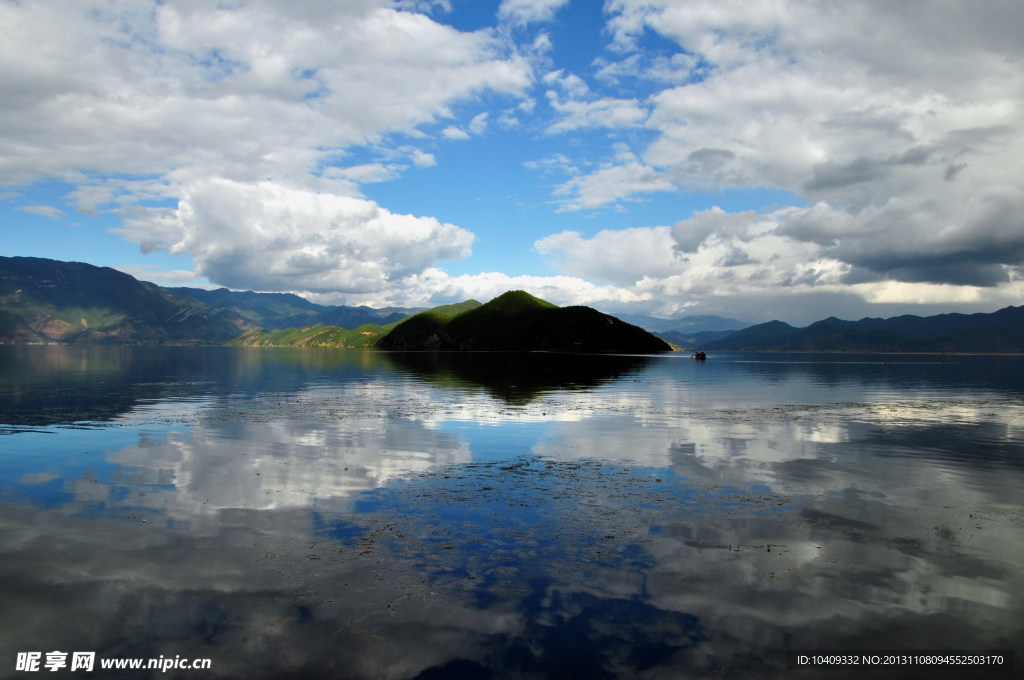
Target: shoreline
[{"x": 666, "y": 352}]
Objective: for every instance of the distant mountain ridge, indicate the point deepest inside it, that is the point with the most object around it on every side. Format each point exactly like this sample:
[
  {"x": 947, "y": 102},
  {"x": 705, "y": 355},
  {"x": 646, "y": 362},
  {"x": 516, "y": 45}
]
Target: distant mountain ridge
[
  {"x": 694, "y": 340},
  {"x": 999, "y": 331},
  {"x": 685, "y": 325},
  {"x": 43, "y": 300},
  {"x": 694, "y": 330},
  {"x": 277, "y": 311}
]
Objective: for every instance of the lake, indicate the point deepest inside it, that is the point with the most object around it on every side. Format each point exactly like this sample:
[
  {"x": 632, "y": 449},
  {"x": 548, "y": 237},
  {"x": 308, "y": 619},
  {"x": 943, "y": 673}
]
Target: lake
[{"x": 365, "y": 515}]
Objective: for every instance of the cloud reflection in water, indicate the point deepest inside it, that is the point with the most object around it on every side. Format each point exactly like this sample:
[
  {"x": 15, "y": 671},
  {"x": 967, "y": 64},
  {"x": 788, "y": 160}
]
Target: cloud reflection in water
[{"x": 611, "y": 532}]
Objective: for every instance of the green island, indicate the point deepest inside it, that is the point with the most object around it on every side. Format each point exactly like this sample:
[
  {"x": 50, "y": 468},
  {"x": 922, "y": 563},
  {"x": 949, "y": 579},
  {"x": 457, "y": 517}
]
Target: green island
[{"x": 513, "y": 321}]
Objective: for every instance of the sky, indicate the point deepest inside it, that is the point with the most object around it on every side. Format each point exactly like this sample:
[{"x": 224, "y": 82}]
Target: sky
[{"x": 755, "y": 159}]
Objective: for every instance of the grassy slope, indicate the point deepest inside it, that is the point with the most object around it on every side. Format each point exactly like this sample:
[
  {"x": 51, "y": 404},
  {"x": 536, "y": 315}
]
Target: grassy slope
[
  {"x": 314, "y": 336},
  {"x": 364, "y": 337},
  {"x": 48, "y": 300}
]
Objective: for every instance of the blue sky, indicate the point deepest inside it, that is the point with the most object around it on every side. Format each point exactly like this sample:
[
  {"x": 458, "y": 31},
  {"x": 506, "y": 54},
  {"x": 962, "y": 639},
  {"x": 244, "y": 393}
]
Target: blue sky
[{"x": 758, "y": 159}]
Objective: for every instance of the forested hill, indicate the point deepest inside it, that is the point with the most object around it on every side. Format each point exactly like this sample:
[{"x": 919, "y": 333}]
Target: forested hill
[
  {"x": 1000, "y": 331},
  {"x": 43, "y": 300},
  {"x": 518, "y": 321}
]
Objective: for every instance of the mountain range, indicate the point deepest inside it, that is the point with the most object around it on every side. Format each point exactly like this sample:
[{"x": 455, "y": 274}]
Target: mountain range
[
  {"x": 1000, "y": 331},
  {"x": 71, "y": 302},
  {"x": 685, "y": 325},
  {"x": 43, "y": 300}
]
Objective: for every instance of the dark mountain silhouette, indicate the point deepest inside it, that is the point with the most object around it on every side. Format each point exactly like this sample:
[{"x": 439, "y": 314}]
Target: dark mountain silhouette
[
  {"x": 518, "y": 321},
  {"x": 1000, "y": 331}
]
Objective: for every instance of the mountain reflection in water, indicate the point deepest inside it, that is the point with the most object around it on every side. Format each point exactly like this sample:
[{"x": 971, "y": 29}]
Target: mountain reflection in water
[
  {"x": 364, "y": 515},
  {"x": 518, "y": 377}
]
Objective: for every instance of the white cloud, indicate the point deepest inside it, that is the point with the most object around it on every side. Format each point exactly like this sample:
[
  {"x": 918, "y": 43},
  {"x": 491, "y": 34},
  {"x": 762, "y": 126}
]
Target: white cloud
[
  {"x": 479, "y": 123},
  {"x": 569, "y": 83},
  {"x": 167, "y": 277},
  {"x": 601, "y": 113},
  {"x": 433, "y": 287},
  {"x": 674, "y": 69},
  {"x": 455, "y": 133},
  {"x": 242, "y": 91},
  {"x": 710, "y": 254},
  {"x": 145, "y": 103},
  {"x": 476, "y": 126},
  {"x": 621, "y": 257},
  {"x": 898, "y": 127},
  {"x": 613, "y": 181},
  {"x": 561, "y": 290},
  {"x": 690, "y": 234},
  {"x": 917, "y": 293},
  {"x": 556, "y": 162},
  {"x": 424, "y": 6},
  {"x": 268, "y": 236},
  {"x": 422, "y": 159},
  {"x": 361, "y": 174},
  {"x": 529, "y": 11},
  {"x": 904, "y": 123},
  {"x": 43, "y": 210},
  {"x": 578, "y": 107},
  {"x": 747, "y": 265}
]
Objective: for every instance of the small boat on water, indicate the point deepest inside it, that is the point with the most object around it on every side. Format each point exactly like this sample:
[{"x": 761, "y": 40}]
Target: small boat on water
[{"x": 699, "y": 356}]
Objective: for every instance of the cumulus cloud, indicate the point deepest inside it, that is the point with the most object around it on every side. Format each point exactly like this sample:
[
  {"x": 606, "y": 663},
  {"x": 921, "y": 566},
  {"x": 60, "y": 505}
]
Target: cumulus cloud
[
  {"x": 748, "y": 265},
  {"x": 606, "y": 112},
  {"x": 900, "y": 125},
  {"x": 898, "y": 128},
  {"x": 455, "y": 133},
  {"x": 269, "y": 236},
  {"x": 175, "y": 277},
  {"x": 476, "y": 126},
  {"x": 157, "y": 103},
  {"x": 615, "y": 180},
  {"x": 975, "y": 242},
  {"x": 621, "y": 257},
  {"x": 691, "y": 233},
  {"x": 578, "y": 108},
  {"x": 242, "y": 91},
  {"x": 434, "y": 286}
]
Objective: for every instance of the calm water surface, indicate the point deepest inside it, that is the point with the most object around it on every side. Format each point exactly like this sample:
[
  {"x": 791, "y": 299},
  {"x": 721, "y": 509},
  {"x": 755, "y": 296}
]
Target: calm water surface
[{"x": 370, "y": 515}]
